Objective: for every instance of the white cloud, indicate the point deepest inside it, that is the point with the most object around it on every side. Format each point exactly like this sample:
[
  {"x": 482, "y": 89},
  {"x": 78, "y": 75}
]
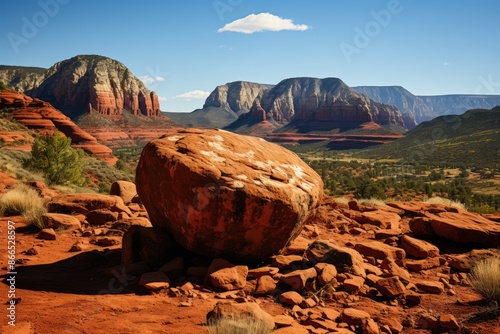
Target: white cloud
[
  {"x": 162, "y": 98},
  {"x": 262, "y": 22},
  {"x": 193, "y": 95},
  {"x": 151, "y": 80}
]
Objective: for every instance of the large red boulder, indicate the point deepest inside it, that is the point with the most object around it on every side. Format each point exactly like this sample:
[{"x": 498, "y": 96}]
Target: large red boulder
[{"x": 226, "y": 195}]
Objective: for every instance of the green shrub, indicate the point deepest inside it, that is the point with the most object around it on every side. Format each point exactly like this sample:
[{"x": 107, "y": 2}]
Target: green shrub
[
  {"x": 57, "y": 160},
  {"x": 2, "y": 86},
  {"x": 238, "y": 325},
  {"x": 485, "y": 278},
  {"x": 25, "y": 201}
]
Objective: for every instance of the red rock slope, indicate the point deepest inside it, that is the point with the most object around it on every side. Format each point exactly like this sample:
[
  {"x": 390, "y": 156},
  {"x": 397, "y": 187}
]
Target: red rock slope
[{"x": 45, "y": 119}]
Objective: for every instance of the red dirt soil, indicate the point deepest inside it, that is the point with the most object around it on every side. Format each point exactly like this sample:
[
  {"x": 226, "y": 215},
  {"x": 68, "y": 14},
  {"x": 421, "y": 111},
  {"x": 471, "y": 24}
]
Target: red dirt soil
[{"x": 64, "y": 292}]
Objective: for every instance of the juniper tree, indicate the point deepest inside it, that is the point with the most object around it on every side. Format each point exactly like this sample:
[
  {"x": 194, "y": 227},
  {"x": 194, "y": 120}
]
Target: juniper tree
[{"x": 57, "y": 160}]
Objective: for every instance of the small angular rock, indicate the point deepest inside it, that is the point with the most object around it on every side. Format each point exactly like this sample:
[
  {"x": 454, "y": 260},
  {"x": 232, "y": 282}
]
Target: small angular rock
[
  {"x": 326, "y": 273},
  {"x": 330, "y": 313},
  {"x": 291, "y": 298},
  {"x": 229, "y": 278},
  {"x": 124, "y": 189},
  {"x": 394, "y": 325},
  {"x": 283, "y": 321},
  {"x": 390, "y": 287},
  {"x": 297, "y": 246},
  {"x": 154, "y": 281},
  {"x": 285, "y": 261},
  {"x": 265, "y": 285},
  {"x": 61, "y": 221},
  {"x": 101, "y": 216},
  {"x": 238, "y": 310},
  {"x": 47, "y": 234},
  {"x": 262, "y": 271},
  {"x": 297, "y": 279},
  {"x": 343, "y": 258},
  {"x": 425, "y": 264},
  {"x": 370, "y": 327},
  {"x": 431, "y": 287},
  {"x": 353, "y": 284},
  {"x": 448, "y": 322},
  {"x": 418, "y": 248},
  {"x": 380, "y": 250},
  {"x": 308, "y": 303},
  {"x": 78, "y": 247},
  {"x": 353, "y": 316}
]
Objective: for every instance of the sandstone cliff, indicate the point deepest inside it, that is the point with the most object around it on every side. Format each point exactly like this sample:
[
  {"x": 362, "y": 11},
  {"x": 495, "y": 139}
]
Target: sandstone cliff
[
  {"x": 96, "y": 84},
  {"x": 327, "y": 99},
  {"x": 413, "y": 109},
  {"x": 237, "y": 96}
]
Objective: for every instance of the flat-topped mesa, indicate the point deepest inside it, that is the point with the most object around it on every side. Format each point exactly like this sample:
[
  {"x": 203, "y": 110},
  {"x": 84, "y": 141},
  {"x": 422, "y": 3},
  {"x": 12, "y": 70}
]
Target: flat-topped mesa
[
  {"x": 91, "y": 83},
  {"x": 237, "y": 96}
]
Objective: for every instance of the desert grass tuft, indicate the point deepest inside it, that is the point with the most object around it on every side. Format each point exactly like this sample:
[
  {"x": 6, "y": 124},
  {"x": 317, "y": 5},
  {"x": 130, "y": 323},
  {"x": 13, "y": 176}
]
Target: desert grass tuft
[
  {"x": 25, "y": 201},
  {"x": 238, "y": 325},
  {"x": 445, "y": 201},
  {"x": 485, "y": 278},
  {"x": 342, "y": 200},
  {"x": 372, "y": 202}
]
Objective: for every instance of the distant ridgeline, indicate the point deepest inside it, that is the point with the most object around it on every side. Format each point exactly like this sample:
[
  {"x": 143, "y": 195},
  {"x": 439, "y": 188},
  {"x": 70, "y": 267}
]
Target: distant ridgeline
[
  {"x": 425, "y": 108},
  {"x": 324, "y": 105}
]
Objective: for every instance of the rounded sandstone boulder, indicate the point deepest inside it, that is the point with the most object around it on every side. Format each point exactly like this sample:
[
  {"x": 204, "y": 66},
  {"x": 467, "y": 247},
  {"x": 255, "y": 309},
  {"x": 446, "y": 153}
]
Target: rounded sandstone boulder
[{"x": 226, "y": 195}]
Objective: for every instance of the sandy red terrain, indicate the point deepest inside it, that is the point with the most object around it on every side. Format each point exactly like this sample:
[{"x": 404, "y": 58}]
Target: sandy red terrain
[{"x": 63, "y": 292}]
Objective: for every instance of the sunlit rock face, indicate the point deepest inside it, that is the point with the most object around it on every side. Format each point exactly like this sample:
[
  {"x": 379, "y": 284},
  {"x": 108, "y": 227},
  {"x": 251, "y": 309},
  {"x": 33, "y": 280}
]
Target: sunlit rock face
[{"x": 226, "y": 195}]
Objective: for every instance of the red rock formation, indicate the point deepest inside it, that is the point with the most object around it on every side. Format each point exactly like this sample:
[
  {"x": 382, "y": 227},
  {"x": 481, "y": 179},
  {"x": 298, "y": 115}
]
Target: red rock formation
[
  {"x": 330, "y": 99},
  {"x": 105, "y": 103},
  {"x": 45, "y": 119},
  {"x": 149, "y": 104},
  {"x": 222, "y": 194},
  {"x": 257, "y": 112},
  {"x": 96, "y": 84}
]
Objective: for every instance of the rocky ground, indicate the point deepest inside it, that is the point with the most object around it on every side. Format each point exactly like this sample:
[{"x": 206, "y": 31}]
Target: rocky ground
[{"x": 400, "y": 268}]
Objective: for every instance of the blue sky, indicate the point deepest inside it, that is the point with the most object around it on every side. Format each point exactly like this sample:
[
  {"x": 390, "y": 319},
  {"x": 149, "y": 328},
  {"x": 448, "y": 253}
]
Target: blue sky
[{"x": 184, "y": 49}]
